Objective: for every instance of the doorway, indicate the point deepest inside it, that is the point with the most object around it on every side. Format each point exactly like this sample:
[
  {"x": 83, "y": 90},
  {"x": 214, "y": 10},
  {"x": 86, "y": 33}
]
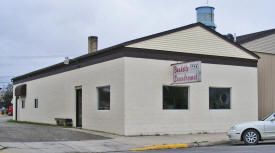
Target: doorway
[
  {"x": 15, "y": 111},
  {"x": 78, "y": 107}
]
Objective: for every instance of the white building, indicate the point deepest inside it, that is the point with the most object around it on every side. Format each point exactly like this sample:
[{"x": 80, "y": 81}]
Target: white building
[{"x": 128, "y": 89}]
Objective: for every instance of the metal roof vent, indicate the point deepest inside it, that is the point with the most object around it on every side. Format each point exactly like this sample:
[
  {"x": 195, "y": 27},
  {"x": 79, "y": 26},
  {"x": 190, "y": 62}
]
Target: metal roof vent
[
  {"x": 205, "y": 15},
  {"x": 67, "y": 61}
]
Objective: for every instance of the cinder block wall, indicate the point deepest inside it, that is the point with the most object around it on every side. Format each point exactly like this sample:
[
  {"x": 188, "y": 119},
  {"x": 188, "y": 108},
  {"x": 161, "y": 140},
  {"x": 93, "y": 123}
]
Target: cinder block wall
[
  {"x": 56, "y": 97},
  {"x": 143, "y": 101}
]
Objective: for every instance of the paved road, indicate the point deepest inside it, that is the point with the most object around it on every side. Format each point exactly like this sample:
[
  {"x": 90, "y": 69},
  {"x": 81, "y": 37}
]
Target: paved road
[
  {"x": 15, "y": 132},
  {"x": 262, "y": 148}
]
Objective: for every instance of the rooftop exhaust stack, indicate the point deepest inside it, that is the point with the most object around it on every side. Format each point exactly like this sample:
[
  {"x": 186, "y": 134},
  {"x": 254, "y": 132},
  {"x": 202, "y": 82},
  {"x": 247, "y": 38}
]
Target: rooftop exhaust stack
[
  {"x": 92, "y": 44},
  {"x": 205, "y": 15}
]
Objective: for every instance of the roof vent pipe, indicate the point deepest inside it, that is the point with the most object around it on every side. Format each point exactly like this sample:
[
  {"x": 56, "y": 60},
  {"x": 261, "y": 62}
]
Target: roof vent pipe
[
  {"x": 92, "y": 44},
  {"x": 205, "y": 15},
  {"x": 235, "y": 37},
  {"x": 67, "y": 61}
]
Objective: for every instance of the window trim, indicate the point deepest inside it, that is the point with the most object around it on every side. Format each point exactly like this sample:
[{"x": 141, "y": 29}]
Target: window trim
[
  {"x": 230, "y": 104},
  {"x": 176, "y": 85},
  {"x": 97, "y": 98}
]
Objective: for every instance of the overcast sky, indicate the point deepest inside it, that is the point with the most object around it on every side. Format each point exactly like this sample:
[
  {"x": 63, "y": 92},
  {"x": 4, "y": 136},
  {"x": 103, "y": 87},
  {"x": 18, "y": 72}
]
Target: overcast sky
[{"x": 35, "y": 33}]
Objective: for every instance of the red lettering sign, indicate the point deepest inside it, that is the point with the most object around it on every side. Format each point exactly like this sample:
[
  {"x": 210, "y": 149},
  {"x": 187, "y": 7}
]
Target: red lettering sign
[{"x": 187, "y": 72}]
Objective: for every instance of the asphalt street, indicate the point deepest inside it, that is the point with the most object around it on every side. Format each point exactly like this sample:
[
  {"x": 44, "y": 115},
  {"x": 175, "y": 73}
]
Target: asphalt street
[{"x": 261, "y": 148}]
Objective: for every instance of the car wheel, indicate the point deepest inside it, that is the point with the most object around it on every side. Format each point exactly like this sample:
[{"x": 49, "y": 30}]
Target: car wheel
[{"x": 251, "y": 137}]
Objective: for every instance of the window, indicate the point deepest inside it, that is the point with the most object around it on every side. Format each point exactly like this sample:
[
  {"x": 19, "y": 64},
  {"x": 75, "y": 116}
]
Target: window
[
  {"x": 103, "y": 98},
  {"x": 23, "y": 103},
  {"x": 36, "y": 103},
  {"x": 219, "y": 98},
  {"x": 175, "y": 97}
]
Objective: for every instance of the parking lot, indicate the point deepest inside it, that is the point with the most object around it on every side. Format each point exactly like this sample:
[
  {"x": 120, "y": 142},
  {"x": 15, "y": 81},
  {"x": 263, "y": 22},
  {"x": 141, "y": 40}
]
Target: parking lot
[{"x": 18, "y": 132}]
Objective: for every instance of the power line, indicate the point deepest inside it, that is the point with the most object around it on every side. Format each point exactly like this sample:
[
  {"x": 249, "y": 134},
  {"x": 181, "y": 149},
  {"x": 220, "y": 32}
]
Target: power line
[
  {"x": 6, "y": 76},
  {"x": 38, "y": 56}
]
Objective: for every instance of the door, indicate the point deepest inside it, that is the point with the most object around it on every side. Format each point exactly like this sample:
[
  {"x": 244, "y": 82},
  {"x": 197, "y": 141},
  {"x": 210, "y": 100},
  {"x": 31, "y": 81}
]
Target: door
[
  {"x": 79, "y": 107},
  {"x": 269, "y": 127},
  {"x": 15, "y": 111}
]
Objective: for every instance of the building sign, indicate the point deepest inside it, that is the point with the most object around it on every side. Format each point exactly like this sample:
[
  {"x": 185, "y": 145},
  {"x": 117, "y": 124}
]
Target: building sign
[{"x": 187, "y": 72}]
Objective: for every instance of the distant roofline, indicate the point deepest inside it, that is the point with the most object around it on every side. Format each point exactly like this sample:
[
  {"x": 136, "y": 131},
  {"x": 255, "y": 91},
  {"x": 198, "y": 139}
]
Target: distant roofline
[{"x": 254, "y": 36}]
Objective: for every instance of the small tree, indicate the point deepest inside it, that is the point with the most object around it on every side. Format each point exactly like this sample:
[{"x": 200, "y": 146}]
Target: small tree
[{"x": 7, "y": 94}]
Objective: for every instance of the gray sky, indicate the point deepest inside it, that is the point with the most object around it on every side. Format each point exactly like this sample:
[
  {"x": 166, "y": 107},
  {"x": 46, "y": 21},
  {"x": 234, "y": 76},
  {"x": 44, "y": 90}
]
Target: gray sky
[{"x": 35, "y": 34}]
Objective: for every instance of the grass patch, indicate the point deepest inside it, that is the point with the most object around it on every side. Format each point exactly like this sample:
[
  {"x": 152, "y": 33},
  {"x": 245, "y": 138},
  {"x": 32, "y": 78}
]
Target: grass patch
[
  {"x": 33, "y": 123},
  {"x": 3, "y": 147},
  {"x": 67, "y": 126},
  {"x": 36, "y": 123}
]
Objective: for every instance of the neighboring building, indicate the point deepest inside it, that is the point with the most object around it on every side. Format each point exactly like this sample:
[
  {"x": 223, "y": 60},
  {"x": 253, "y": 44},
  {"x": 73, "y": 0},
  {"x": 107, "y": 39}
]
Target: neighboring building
[
  {"x": 139, "y": 88},
  {"x": 1, "y": 95},
  {"x": 263, "y": 44}
]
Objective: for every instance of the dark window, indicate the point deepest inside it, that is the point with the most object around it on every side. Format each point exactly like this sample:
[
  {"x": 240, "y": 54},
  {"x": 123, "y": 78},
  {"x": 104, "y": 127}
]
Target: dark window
[
  {"x": 35, "y": 103},
  {"x": 175, "y": 97},
  {"x": 103, "y": 98},
  {"x": 23, "y": 103},
  {"x": 219, "y": 98}
]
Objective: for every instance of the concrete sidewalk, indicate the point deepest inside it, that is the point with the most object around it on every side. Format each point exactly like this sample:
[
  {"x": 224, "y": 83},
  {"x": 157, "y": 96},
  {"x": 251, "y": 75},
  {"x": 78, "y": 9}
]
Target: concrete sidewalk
[{"x": 116, "y": 144}]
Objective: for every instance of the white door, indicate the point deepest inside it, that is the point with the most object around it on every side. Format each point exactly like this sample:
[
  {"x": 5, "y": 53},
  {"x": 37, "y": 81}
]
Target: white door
[{"x": 269, "y": 127}]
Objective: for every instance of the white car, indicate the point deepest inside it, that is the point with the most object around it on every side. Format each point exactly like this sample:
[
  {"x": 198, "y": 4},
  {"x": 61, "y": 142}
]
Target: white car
[{"x": 253, "y": 132}]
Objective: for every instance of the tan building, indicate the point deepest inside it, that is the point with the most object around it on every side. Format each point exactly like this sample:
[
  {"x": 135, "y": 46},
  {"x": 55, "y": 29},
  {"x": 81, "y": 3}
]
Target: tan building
[
  {"x": 147, "y": 86},
  {"x": 263, "y": 44}
]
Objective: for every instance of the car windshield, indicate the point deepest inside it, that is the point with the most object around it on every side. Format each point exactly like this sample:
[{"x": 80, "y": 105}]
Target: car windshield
[{"x": 269, "y": 117}]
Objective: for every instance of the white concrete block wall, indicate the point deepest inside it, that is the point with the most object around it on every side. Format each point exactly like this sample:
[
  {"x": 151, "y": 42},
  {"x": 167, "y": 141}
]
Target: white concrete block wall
[
  {"x": 143, "y": 98},
  {"x": 56, "y": 97},
  {"x": 136, "y": 98}
]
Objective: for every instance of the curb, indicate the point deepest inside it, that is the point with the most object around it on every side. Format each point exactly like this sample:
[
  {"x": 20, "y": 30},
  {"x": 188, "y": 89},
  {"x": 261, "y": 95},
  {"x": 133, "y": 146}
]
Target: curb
[
  {"x": 207, "y": 144},
  {"x": 158, "y": 147},
  {"x": 175, "y": 146}
]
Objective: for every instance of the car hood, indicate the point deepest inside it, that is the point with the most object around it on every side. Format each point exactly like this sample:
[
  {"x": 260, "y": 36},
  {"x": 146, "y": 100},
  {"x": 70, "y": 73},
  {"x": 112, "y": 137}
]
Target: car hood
[{"x": 251, "y": 124}]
